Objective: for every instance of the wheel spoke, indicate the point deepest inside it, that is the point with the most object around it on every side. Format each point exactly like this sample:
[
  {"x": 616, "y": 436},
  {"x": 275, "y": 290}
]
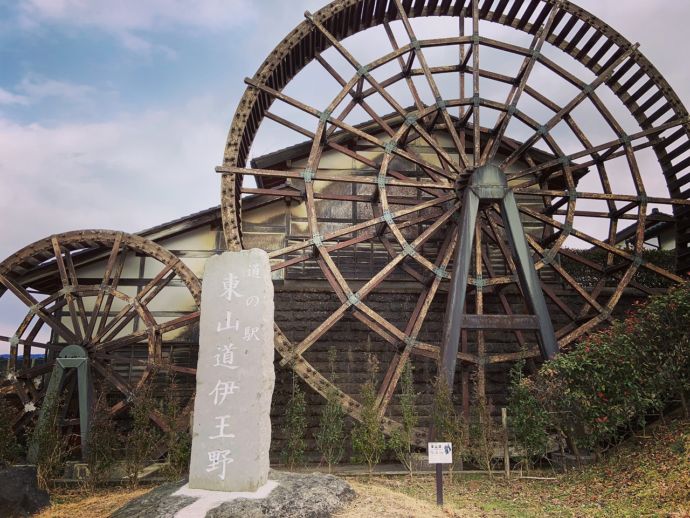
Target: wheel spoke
[
  {"x": 607, "y": 150},
  {"x": 356, "y": 299},
  {"x": 147, "y": 293},
  {"x": 110, "y": 297},
  {"x": 414, "y": 325},
  {"x": 35, "y": 307},
  {"x": 440, "y": 103},
  {"x": 351, "y": 229},
  {"x": 594, "y": 241},
  {"x": 475, "y": 85},
  {"x": 115, "y": 379},
  {"x": 333, "y": 177},
  {"x": 351, "y": 130},
  {"x": 517, "y": 89},
  {"x": 371, "y": 234},
  {"x": 32, "y": 343},
  {"x": 603, "y": 76},
  {"x": 67, "y": 287},
  {"x": 405, "y": 68},
  {"x": 104, "y": 283},
  {"x": 599, "y": 196},
  {"x": 75, "y": 282}
]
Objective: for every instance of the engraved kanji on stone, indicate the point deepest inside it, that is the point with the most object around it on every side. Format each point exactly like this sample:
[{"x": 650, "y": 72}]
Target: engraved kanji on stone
[
  {"x": 219, "y": 460},
  {"x": 228, "y": 325},
  {"x": 221, "y": 427},
  {"x": 230, "y": 282},
  {"x": 226, "y": 358},
  {"x": 251, "y": 333},
  {"x": 254, "y": 271},
  {"x": 222, "y": 391}
]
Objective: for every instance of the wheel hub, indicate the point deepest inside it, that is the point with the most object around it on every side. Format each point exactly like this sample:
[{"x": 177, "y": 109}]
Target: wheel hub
[{"x": 488, "y": 182}]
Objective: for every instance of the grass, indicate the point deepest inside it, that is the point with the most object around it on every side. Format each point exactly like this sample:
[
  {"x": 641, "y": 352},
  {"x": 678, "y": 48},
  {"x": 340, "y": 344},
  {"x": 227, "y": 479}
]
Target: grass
[
  {"x": 647, "y": 476},
  {"x": 77, "y": 503}
]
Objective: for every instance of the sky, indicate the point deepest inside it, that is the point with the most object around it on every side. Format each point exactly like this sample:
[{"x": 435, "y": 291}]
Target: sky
[{"x": 113, "y": 115}]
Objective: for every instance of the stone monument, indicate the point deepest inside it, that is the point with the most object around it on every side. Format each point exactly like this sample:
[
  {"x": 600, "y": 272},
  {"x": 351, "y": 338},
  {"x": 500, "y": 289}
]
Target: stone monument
[
  {"x": 235, "y": 375},
  {"x": 229, "y": 472}
]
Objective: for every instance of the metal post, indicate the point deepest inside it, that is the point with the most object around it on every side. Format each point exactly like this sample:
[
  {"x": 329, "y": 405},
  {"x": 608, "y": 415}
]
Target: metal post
[
  {"x": 52, "y": 392},
  {"x": 529, "y": 281},
  {"x": 458, "y": 290},
  {"x": 488, "y": 184},
  {"x": 71, "y": 357},
  {"x": 506, "y": 451}
]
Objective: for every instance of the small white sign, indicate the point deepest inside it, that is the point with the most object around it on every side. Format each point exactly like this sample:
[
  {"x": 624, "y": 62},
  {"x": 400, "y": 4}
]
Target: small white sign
[{"x": 440, "y": 452}]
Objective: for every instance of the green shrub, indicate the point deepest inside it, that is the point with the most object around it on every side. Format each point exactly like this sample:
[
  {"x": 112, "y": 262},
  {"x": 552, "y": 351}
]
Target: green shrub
[
  {"x": 587, "y": 276},
  {"x": 47, "y": 442},
  {"x": 368, "y": 440},
  {"x": 401, "y": 439},
  {"x": 330, "y": 438},
  {"x": 103, "y": 443},
  {"x": 615, "y": 378},
  {"x": 143, "y": 437},
  {"x": 528, "y": 420},
  {"x": 448, "y": 424},
  {"x": 484, "y": 434},
  {"x": 10, "y": 450},
  {"x": 177, "y": 436},
  {"x": 295, "y": 426}
]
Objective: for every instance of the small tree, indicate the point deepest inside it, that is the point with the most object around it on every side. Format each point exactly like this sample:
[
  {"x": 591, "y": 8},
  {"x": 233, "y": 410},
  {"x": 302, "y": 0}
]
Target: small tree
[
  {"x": 48, "y": 443},
  {"x": 484, "y": 434},
  {"x": 448, "y": 425},
  {"x": 141, "y": 440},
  {"x": 330, "y": 439},
  {"x": 103, "y": 443},
  {"x": 529, "y": 420},
  {"x": 368, "y": 441},
  {"x": 295, "y": 426},
  {"x": 177, "y": 437},
  {"x": 401, "y": 439},
  {"x": 9, "y": 447}
]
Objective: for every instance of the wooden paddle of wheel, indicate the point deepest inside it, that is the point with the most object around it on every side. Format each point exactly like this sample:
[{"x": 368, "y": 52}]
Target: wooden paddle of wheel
[{"x": 530, "y": 185}]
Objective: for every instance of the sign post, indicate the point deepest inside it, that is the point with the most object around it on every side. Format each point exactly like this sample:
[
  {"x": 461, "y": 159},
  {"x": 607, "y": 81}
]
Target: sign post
[{"x": 440, "y": 453}]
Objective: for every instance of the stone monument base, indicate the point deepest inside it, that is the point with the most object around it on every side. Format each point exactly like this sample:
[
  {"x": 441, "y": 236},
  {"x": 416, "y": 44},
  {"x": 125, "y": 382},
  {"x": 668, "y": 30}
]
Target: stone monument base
[{"x": 285, "y": 495}]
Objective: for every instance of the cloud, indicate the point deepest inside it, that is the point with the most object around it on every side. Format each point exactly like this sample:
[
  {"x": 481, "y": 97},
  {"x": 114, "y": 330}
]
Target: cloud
[
  {"x": 133, "y": 23},
  {"x": 41, "y": 98},
  {"x": 126, "y": 15},
  {"x": 36, "y": 88},
  {"x": 8, "y": 98},
  {"x": 129, "y": 19},
  {"x": 129, "y": 173}
]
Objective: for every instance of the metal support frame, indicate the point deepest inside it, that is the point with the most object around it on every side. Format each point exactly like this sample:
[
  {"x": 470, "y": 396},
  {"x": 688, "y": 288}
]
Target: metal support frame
[
  {"x": 488, "y": 184},
  {"x": 71, "y": 357}
]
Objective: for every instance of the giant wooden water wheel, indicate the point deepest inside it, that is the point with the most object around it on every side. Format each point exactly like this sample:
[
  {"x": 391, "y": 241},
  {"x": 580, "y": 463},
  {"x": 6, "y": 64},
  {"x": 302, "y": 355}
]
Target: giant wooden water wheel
[
  {"x": 491, "y": 142},
  {"x": 98, "y": 314}
]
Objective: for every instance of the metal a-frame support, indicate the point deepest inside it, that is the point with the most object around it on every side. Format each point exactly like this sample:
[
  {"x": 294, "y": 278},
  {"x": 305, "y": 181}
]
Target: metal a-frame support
[
  {"x": 71, "y": 357},
  {"x": 488, "y": 184}
]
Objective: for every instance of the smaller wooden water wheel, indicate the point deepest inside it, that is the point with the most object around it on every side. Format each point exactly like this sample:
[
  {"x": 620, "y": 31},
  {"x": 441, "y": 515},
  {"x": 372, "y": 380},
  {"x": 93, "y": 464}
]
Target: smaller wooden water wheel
[{"x": 105, "y": 311}]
